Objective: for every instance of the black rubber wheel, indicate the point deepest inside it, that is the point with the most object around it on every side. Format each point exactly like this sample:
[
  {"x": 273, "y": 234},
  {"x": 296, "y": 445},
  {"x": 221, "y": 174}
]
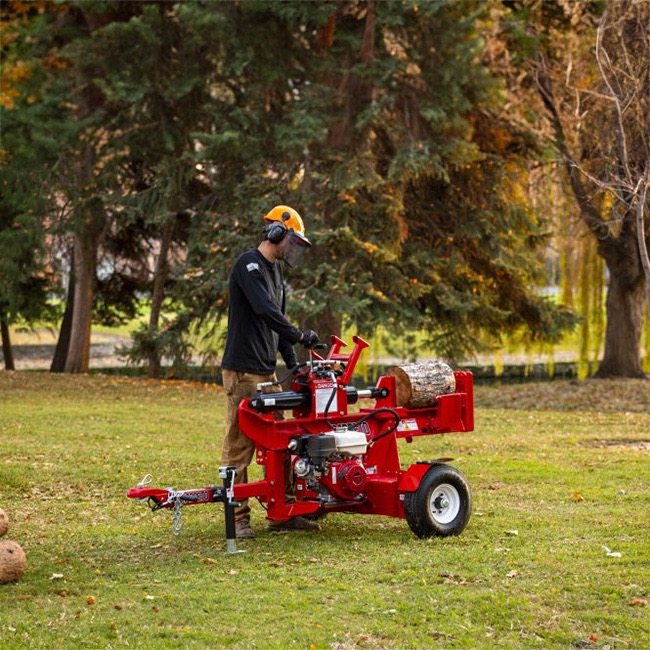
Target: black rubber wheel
[{"x": 441, "y": 505}]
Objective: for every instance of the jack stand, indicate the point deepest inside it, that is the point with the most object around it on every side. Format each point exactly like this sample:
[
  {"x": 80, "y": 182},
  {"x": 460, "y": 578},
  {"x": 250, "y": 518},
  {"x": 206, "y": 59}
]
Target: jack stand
[{"x": 228, "y": 475}]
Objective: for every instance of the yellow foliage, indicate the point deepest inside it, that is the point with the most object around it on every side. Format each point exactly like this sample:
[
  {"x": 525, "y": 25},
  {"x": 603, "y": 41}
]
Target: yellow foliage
[
  {"x": 16, "y": 72},
  {"x": 7, "y": 37},
  {"x": 398, "y": 218},
  {"x": 13, "y": 73},
  {"x": 298, "y": 177},
  {"x": 347, "y": 198},
  {"x": 498, "y": 364},
  {"x": 7, "y": 97},
  {"x": 370, "y": 247},
  {"x": 377, "y": 294},
  {"x": 55, "y": 62},
  {"x": 22, "y": 7},
  {"x": 590, "y": 304}
]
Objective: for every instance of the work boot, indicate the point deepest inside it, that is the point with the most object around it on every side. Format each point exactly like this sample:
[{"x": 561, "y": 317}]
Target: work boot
[
  {"x": 243, "y": 529},
  {"x": 288, "y": 525}
]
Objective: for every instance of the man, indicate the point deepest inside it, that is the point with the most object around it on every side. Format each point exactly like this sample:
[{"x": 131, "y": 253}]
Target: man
[{"x": 257, "y": 330}]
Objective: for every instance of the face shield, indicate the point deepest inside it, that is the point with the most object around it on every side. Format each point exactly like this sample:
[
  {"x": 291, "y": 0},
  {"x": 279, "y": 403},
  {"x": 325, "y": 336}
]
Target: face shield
[{"x": 293, "y": 248}]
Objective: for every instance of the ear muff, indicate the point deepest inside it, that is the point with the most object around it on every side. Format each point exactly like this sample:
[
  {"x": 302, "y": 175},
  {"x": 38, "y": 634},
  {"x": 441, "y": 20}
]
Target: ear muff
[{"x": 276, "y": 231}]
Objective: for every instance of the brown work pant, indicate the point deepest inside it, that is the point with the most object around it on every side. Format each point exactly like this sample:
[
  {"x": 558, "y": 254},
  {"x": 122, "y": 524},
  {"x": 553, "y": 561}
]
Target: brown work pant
[{"x": 238, "y": 450}]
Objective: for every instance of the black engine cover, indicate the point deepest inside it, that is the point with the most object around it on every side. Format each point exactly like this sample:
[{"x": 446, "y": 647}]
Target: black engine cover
[{"x": 320, "y": 447}]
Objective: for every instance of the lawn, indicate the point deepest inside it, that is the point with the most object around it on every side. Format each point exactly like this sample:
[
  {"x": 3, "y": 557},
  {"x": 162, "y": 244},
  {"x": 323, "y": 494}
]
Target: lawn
[{"x": 560, "y": 474}]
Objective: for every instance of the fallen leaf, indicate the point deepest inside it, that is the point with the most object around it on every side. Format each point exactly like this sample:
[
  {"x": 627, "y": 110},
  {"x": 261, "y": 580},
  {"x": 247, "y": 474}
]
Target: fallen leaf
[
  {"x": 512, "y": 574},
  {"x": 593, "y": 638},
  {"x": 611, "y": 553},
  {"x": 90, "y": 600},
  {"x": 578, "y": 497},
  {"x": 233, "y": 572},
  {"x": 209, "y": 560},
  {"x": 638, "y": 602}
]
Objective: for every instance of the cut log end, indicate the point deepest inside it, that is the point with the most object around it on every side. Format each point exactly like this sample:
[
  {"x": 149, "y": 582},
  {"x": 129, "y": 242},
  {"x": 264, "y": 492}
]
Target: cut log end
[
  {"x": 418, "y": 385},
  {"x": 4, "y": 523},
  {"x": 12, "y": 561}
]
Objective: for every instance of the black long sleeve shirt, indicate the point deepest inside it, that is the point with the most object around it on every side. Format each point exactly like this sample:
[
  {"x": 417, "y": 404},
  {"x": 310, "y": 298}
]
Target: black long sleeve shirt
[{"x": 257, "y": 326}]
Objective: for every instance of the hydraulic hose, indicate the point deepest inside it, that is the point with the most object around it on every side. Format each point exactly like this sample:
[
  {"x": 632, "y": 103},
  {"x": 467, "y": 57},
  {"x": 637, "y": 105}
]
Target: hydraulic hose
[{"x": 365, "y": 417}]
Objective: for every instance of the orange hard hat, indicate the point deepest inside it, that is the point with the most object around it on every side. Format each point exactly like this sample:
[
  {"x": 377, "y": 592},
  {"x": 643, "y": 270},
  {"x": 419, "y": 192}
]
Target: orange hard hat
[{"x": 289, "y": 218}]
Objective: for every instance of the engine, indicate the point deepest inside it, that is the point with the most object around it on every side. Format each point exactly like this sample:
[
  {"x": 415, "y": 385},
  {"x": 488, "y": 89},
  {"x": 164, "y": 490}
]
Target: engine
[{"x": 331, "y": 464}]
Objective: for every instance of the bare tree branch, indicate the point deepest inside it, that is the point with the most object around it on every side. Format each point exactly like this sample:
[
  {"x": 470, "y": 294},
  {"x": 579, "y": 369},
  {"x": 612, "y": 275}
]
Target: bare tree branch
[
  {"x": 601, "y": 56},
  {"x": 590, "y": 214}
]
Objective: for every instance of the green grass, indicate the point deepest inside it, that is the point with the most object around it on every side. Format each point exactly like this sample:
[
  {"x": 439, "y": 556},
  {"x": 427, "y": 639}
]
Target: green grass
[{"x": 529, "y": 571}]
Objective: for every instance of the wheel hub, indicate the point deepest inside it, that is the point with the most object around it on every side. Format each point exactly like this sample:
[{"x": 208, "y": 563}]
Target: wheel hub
[
  {"x": 441, "y": 503},
  {"x": 445, "y": 503}
]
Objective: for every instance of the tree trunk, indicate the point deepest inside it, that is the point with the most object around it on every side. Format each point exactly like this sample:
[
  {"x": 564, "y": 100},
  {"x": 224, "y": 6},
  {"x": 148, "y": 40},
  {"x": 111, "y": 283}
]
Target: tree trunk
[
  {"x": 85, "y": 269},
  {"x": 7, "y": 350},
  {"x": 353, "y": 89},
  {"x": 161, "y": 274},
  {"x": 625, "y": 308},
  {"x": 63, "y": 342},
  {"x": 91, "y": 220},
  {"x": 325, "y": 325}
]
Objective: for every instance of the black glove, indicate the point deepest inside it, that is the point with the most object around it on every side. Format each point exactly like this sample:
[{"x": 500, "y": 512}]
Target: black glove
[
  {"x": 309, "y": 338},
  {"x": 297, "y": 369}
]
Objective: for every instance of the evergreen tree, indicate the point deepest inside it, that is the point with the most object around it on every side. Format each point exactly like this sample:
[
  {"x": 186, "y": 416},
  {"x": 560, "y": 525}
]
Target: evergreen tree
[
  {"x": 369, "y": 121},
  {"x": 157, "y": 93},
  {"x": 26, "y": 272}
]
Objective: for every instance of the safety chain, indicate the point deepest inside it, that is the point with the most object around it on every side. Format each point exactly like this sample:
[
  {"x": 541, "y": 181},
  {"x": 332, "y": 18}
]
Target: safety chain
[
  {"x": 174, "y": 497},
  {"x": 177, "y": 499}
]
